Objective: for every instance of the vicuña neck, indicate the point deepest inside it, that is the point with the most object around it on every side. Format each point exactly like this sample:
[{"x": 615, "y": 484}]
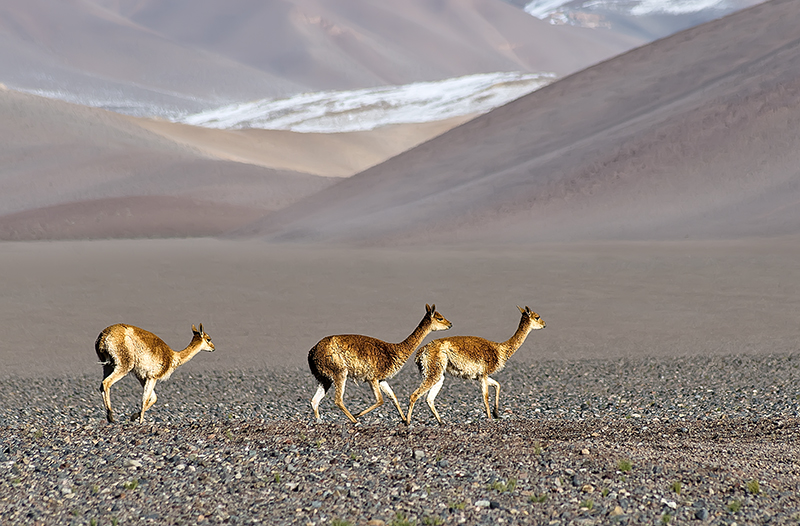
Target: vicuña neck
[
  {"x": 518, "y": 338},
  {"x": 410, "y": 344},
  {"x": 189, "y": 352}
]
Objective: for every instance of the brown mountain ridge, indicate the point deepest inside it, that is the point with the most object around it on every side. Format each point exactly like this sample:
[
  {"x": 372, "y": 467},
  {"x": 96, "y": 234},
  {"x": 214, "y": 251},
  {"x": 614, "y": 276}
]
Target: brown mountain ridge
[{"x": 695, "y": 135}]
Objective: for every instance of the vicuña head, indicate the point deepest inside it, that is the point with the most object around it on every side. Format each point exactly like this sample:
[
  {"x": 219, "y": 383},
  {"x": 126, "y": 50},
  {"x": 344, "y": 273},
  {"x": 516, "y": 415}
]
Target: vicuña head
[
  {"x": 124, "y": 348},
  {"x": 469, "y": 357},
  {"x": 335, "y": 358}
]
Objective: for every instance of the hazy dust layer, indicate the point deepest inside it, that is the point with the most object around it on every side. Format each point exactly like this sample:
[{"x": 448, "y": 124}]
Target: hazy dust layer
[{"x": 267, "y": 306}]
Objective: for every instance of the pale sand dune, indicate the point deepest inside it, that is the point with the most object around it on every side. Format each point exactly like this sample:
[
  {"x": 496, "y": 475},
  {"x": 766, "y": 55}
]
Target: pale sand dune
[
  {"x": 266, "y": 306},
  {"x": 324, "y": 154}
]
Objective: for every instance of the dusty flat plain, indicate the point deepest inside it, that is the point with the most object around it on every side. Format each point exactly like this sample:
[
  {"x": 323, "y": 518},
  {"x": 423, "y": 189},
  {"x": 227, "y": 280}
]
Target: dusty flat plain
[{"x": 266, "y": 305}]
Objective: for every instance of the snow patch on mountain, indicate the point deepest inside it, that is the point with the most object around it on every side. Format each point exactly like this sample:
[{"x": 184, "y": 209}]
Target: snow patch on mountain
[
  {"x": 544, "y": 9},
  {"x": 366, "y": 109}
]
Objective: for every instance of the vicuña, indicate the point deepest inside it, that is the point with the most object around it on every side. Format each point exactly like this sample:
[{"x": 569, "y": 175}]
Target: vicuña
[
  {"x": 469, "y": 357},
  {"x": 124, "y": 348},
  {"x": 334, "y": 358}
]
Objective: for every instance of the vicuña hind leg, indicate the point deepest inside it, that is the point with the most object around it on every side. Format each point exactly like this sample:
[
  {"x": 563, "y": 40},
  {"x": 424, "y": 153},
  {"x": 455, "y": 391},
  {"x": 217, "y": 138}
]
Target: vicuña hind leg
[
  {"x": 318, "y": 396},
  {"x": 339, "y": 382},
  {"x": 112, "y": 376},
  {"x": 485, "y": 394},
  {"x": 148, "y": 397},
  {"x": 431, "y": 383},
  {"x": 432, "y": 396},
  {"x": 432, "y": 365},
  {"x": 496, "y": 386}
]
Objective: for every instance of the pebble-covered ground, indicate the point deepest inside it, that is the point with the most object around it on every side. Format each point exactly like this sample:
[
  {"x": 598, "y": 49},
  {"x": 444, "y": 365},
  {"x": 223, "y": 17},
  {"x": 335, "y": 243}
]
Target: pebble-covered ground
[{"x": 703, "y": 440}]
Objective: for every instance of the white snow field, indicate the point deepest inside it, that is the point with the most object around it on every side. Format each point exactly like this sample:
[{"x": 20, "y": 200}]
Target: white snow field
[
  {"x": 369, "y": 108},
  {"x": 542, "y": 9}
]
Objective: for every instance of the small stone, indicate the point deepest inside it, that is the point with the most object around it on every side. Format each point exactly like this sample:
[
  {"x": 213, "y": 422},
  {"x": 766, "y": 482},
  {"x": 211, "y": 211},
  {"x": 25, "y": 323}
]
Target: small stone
[
  {"x": 132, "y": 463},
  {"x": 443, "y": 463},
  {"x": 482, "y": 503},
  {"x": 587, "y": 488},
  {"x": 419, "y": 454},
  {"x": 376, "y": 522},
  {"x": 701, "y": 514},
  {"x": 585, "y": 452},
  {"x": 616, "y": 511},
  {"x": 493, "y": 505}
]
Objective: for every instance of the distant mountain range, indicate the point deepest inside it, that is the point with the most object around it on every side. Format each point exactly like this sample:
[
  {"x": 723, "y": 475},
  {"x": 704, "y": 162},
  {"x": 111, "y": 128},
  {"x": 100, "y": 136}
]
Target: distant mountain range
[
  {"x": 156, "y": 58},
  {"x": 692, "y": 136},
  {"x": 244, "y": 64}
]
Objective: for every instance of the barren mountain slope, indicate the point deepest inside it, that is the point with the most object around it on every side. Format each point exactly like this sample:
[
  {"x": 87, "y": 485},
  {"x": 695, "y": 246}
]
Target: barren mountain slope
[
  {"x": 70, "y": 171},
  {"x": 85, "y": 53},
  {"x": 696, "y": 135},
  {"x": 146, "y": 57}
]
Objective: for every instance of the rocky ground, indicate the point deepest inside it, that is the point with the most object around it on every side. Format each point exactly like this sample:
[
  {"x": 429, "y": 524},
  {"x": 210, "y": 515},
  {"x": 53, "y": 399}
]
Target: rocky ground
[{"x": 703, "y": 440}]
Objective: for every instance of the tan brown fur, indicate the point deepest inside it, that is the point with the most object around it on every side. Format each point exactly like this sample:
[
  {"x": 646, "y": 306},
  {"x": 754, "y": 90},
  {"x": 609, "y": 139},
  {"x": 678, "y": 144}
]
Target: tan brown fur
[
  {"x": 335, "y": 358},
  {"x": 124, "y": 348},
  {"x": 469, "y": 357}
]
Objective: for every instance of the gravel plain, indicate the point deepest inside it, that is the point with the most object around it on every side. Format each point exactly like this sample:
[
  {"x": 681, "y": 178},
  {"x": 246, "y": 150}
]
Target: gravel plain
[{"x": 692, "y": 440}]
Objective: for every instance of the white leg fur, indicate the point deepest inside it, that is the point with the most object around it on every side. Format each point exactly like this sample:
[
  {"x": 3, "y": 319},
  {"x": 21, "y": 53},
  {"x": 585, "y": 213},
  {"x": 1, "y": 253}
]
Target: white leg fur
[
  {"x": 485, "y": 395},
  {"x": 149, "y": 385},
  {"x": 318, "y": 396},
  {"x": 432, "y": 396},
  {"x": 496, "y": 396}
]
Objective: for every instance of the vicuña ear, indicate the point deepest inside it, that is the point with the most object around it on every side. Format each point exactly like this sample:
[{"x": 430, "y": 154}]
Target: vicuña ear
[
  {"x": 433, "y": 309},
  {"x": 194, "y": 329},
  {"x": 527, "y": 309},
  {"x": 521, "y": 309},
  {"x": 427, "y": 308},
  {"x": 201, "y": 329}
]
